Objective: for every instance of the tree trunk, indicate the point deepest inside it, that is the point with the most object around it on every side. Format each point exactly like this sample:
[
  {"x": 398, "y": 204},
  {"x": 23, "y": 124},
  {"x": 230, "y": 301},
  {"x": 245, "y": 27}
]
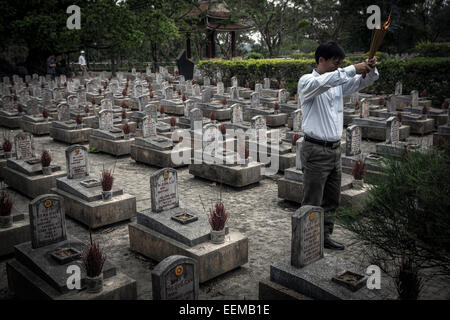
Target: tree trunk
[
  {"x": 155, "y": 56},
  {"x": 113, "y": 64}
]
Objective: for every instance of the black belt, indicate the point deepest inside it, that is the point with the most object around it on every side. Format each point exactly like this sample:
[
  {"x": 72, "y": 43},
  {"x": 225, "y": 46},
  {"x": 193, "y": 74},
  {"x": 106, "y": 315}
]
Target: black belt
[{"x": 328, "y": 144}]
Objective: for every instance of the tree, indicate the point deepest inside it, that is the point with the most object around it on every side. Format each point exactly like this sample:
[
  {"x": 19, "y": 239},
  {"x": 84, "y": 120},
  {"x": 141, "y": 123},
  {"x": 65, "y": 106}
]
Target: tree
[{"x": 274, "y": 20}]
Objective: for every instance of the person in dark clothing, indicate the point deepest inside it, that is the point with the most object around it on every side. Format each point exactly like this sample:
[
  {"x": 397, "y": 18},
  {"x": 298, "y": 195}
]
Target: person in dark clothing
[{"x": 51, "y": 66}]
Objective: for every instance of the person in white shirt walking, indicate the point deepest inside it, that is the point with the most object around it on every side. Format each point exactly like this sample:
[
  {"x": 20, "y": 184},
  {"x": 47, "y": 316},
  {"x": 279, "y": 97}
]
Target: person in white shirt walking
[
  {"x": 82, "y": 63},
  {"x": 321, "y": 96}
]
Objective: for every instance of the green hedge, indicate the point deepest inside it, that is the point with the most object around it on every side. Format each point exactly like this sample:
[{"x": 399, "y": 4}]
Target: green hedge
[
  {"x": 433, "y": 49},
  {"x": 415, "y": 73}
]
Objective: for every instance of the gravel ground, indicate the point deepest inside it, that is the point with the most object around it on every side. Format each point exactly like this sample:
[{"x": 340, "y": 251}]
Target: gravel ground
[{"x": 255, "y": 211}]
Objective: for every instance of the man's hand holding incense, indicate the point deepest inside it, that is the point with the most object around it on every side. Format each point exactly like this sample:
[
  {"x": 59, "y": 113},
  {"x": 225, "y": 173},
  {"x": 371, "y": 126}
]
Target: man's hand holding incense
[
  {"x": 372, "y": 62},
  {"x": 362, "y": 67}
]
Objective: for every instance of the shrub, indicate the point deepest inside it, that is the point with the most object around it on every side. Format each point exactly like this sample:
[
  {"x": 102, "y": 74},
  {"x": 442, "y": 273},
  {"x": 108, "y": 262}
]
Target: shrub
[
  {"x": 79, "y": 119},
  {"x": 223, "y": 129},
  {"x": 429, "y": 73},
  {"x": 45, "y": 113},
  {"x": 173, "y": 122},
  {"x": 404, "y": 223},
  {"x": 86, "y": 109},
  {"x": 212, "y": 115},
  {"x": 123, "y": 115},
  {"x": 255, "y": 55},
  {"x": 432, "y": 49}
]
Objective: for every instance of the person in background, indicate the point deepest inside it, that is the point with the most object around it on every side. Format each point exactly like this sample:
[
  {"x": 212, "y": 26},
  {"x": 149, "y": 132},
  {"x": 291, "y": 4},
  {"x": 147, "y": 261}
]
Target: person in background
[
  {"x": 51, "y": 66},
  {"x": 82, "y": 63}
]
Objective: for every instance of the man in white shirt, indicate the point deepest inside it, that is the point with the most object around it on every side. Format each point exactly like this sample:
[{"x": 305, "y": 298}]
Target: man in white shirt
[
  {"x": 321, "y": 96},
  {"x": 82, "y": 63}
]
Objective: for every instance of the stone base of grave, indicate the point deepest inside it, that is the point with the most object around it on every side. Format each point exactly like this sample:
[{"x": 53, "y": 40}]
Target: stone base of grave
[
  {"x": 292, "y": 190},
  {"x": 439, "y": 119},
  {"x": 36, "y": 128},
  {"x": 379, "y": 133},
  {"x": 314, "y": 280},
  {"x": 269, "y": 290},
  {"x": 235, "y": 175},
  {"x": 31, "y": 186},
  {"x": 213, "y": 259},
  {"x": 348, "y": 118},
  {"x": 221, "y": 114},
  {"x": 286, "y": 161},
  {"x": 96, "y": 214},
  {"x": 419, "y": 126},
  {"x": 391, "y": 149},
  {"x": 70, "y": 136},
  {"x": 154, "y": 157},
  {"x": 276, "y": 120},
  {"x": 2, "y": 165},
  {"x": 373, "y": 168},
  {"x": 354, "y": 198},
  {"x": 439, "y": 136},
  {"x": 113, "y": 147},
  {"x": 175, "y": 109},
  {"x": 10, "y": 122},
  {"x": 26, "y": 285},
  {"x": 19, "y": 232}
]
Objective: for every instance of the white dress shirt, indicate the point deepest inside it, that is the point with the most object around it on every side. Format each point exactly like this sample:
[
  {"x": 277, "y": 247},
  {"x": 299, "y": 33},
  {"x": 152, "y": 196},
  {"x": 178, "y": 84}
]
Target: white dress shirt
[
  {"x": 321, "y": 98},
  {"x": 81, "y": 61}
]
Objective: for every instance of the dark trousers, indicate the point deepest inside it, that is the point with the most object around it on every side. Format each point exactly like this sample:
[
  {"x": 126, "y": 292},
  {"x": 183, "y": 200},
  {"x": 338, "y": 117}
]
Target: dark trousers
[{"x": 322, "y": 180}]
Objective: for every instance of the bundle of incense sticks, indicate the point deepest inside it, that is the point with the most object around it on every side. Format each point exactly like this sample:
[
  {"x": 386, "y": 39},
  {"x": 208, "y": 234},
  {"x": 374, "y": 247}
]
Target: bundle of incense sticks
[{"x": 378, "y": 36}]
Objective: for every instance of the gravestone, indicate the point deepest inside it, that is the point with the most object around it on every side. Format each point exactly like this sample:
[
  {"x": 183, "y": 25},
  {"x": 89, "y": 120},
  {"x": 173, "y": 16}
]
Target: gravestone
[
  {"x": 282, "y": 96},
  {"x": 234, "y": 93},
  {"x": 206, "y": 96},
  {"x": 297, "y": 118},
  {"x": 82, "y": 97},
  {"x": 258, "y": 88},
  {"x": 152, "y": 111},
  {"x": 353, "y": 141},
  {"x": 164, "y": 189},
  {"x": 234, "y": 82},
  {"x": 175, "y": 278},
  {"x": 307, "y": 236},
  {"x": 143, "y": 100},
  {"x": 168, "y": 93},
  {"x": 237, "y": 116},
  {"x": 106, "y": 104},
  {"x": 210, "y": 141},
  {"x": 189, "y": 90},
  {"x": 63, "y": 112},
  {"x": 24, "y": 145},
  {"x": 47, "y": 220},
  {"x": 266, "y": 83},
  {"x": 77, "y": 162},
  {"x": 148, "y": 127},
  {"x": 414, "y": 99},
  {"x": 254, "y": 99},
  {"x": 364, "y": 110},
  {"x": 392, "y": 104},
  {"x": 392, "y": 130},
  {"x": 259, "y": 123},
  {"x": 188, "y": 106},
  {"x": 206, "y": 81},
  {"x": 185, "y": 66},
  {"x": 398, "y": 89},
  {"x": 105, "y": 120},
  {"x": 33, "y": 108},
  {"x": 195, "y": 115},
  {"x": 220, "y": 88},
  {"x": 72, "y": 101},
  {"x": 197, "y": 91}
]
